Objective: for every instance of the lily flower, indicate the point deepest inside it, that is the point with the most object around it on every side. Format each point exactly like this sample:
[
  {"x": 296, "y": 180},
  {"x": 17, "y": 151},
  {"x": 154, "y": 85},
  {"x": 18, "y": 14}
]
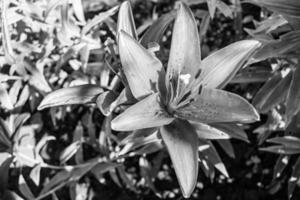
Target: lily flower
[{"x": 188, "y": 92}]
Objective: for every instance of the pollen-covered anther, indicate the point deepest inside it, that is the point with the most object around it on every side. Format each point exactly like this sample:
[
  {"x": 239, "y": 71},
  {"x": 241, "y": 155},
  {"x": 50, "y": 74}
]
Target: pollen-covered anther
[{"x": 185, "y": 78}]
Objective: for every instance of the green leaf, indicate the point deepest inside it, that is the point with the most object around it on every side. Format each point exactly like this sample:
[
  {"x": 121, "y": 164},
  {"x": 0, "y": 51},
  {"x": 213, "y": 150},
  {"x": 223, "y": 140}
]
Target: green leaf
[
  {"x": 212, "y": 5},
  {"x": 69, "y": 151},
  {"x": 266, "y": 90},
  {"x": 4, "y": 98},
  {"x": 147, "y": 113},
  {"x": 280, "y": 165},
  {"x": 24, "y": 188},
  {"x": 284, "y": 7},
  {"x": 294, "y": 179},
  {"x": 282, "y": 47},
  {"x": 220, "y": 67},
  {"x": 81, "y": 94},
  {"x": 181, "y": 141},
  {"x": 277, "y": 95},
  {"x": 227, "y": 147},
  {"x": 104, "y": 102},
  {"x": 216, "y": 106},
  {"x": 280, "y": 149},
  {"x": 6, "y": 41},
  {"x": 293, "y": 97},
  {"x": 156, "y": 30},
  {"x": 185, "y": 54},
  {"x": 233, "y": 131},
  {"x": 289, "y": 141},
  {"x": 35, "y": 174},
  {"x": 142, "y": 69},
  {"x": 205, "y": 131},
  {"x": 212, "y": 156},
  {"x": 4, "y": 170},
  {"x": 78, "y": 10},
  {"x": 126, "y": 21},
  {"x": 98, "y": 19}
]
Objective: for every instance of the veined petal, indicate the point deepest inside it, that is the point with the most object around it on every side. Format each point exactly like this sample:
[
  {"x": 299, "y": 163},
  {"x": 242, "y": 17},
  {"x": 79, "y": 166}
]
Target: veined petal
[
  {"x": 185, "y": 54},
  {"x": 213, "y": 106},
  {"x": 182, "y": 144},
  {"x": 206, "y": 131},
  {"x": 220, "y": 67},
  {"x": 141, "y": 68},
  {"x": 126, "y": 21},
  {"x": 147, "y": 113}
]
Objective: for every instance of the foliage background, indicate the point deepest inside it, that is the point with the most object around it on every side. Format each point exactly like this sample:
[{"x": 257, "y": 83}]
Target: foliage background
[{"x": 74, "y": 45}]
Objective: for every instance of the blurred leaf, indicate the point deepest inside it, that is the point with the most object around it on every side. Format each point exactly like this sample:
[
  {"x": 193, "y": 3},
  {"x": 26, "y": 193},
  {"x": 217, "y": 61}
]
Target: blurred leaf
[
  {"x": 35, "y": 174},
  {"x": 233, "y": 131},
  {"x": 294, "y": 178},
  {"x": 285, "y": 7},
  {"x": 212, "y": 5},
  {"x": 289, "y": 141},
  {"x": 181, "y": 141},
  {"x": 4, "y": 171},
  {"x": 227, "y": 147},
  {"x": 212, "y": 156},
  {"x": 280, "y": 165},
  {"x": 225, "y": 9},
  {"x": 78, "y": 10},
  {"x": 98, "y": 19},
  {"x": 293, "y": 96},
  {"x": 282, "y": 47},
  {"x": 220, "y": 67},
  {"x": 126, "y": 21},
  {"x": 266, "y": 90},
  {"x": 5, "y": 101},
  {"x": 82, "y": 94},
  {"x": 52, "y": 4},
  {"x": 280, "y": 149},
  {"x": 147, "y": 113},
  {"x": 157, "y": 29},
  {"x": 252, "y": 75},
  {"x": 6, "y": 41},
  {"x": 105, "y": 100},
  {"x": 69, "y": 151},
  {"x": 24, "y": 188},
  {"x": 277, "y": 94},
  {"x": 214, "y": 105}
]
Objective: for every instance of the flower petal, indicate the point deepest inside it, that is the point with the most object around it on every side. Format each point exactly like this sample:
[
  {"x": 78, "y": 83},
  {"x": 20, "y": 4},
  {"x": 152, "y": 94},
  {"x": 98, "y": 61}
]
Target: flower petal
[
  {"x": 214, "y": 105},
  {"x": 126, "y": 21},
  {"x": 206, "y": 131},
  {"x": 141, "y": 68},
  {"x": 185, "y": 54},
  {"x": 182, "y": 144},
  {"x": 147, "y": 113},
  {"x": 220, "y": 67}
]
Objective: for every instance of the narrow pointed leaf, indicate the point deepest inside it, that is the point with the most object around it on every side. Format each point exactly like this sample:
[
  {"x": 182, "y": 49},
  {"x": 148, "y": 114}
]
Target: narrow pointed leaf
[
  {"x": 293, "y": 98},
  {"x": 182, "y": 144},
  {"x": 185, "y": 54},
  {"x": 147, "y": 113},
  {"x": 227, "y": 147},
  {"x": 280, "y": 149},
  {"x": 142, "y": 69},
  {"x": 205, "y": 131},
  {"x": 98, "y": 19},
  {"x": 212, "y": 5},
  {"x": 78, "y": 10},
  {"x": 284, "y": 7},
  {"x": 290, "y": 141},
  {"x": 265, "y": 91},
  {"x": 82, "y": 94},
  {"x": 220, "y": 67},
  {"x": 213, "y": 106},
  {"x": 233, "y": 131},
  {"x": 126, "y": 21},
  {"x": 156, "y": 30},
  {"x": 277, "y": 95},
  {"x": 212, "y": 156},
  {"x": 294, "y": 179}
]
